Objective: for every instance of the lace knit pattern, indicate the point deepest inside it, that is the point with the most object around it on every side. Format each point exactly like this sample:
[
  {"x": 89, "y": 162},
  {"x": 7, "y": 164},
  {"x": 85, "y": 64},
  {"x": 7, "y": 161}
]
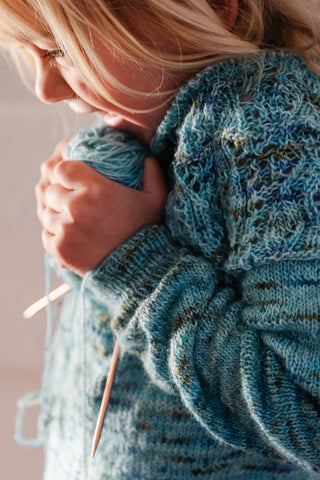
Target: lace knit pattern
[{"x": 217, "y": 311}]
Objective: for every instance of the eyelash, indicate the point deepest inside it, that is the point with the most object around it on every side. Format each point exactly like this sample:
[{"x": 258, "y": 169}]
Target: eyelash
[{"x": 54, "y": 54}]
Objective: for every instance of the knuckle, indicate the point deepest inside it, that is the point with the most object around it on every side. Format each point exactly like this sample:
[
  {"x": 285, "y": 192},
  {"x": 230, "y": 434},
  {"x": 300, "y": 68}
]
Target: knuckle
[
  {"x": 64, "y": 167},
  {"x": 50, "y": 193},
  {"x": 60, "y": 167}
]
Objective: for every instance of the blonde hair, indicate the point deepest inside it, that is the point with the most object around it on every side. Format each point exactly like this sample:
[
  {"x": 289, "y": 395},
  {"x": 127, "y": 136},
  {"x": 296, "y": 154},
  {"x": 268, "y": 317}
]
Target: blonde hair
[{"x": 193, "y": 27}]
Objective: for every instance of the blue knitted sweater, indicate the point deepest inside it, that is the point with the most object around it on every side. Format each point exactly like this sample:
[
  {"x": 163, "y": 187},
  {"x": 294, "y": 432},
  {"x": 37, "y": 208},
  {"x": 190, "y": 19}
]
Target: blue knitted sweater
[{"x": 218, "y": 310}]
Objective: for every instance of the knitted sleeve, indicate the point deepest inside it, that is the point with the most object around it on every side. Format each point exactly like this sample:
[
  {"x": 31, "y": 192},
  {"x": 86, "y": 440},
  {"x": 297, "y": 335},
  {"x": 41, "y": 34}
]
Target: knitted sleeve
[
  {"x": 228, "y": 318},
  {"x": 246, "y": 366}
]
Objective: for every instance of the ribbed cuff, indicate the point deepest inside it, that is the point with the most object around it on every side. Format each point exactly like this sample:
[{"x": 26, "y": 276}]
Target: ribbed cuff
[{"x": 134, "y": 269}]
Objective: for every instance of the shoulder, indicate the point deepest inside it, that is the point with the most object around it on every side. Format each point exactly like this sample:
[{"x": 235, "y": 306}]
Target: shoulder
[
  {"x": 243, "y": 93},
  {"x": 269, "y": 73},
  {"x": 239, "y": 106},
  {"x": 251, "y": 138}
]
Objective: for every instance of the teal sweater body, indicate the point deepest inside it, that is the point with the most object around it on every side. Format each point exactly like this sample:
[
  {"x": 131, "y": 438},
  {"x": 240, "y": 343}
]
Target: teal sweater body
[{"x": 217, "y": 311}]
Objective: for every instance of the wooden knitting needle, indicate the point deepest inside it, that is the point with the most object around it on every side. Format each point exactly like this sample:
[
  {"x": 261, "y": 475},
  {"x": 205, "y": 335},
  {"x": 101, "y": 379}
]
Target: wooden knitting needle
[
  {"x": 105, "y": 399},
  {"x": 44, "y": 301}
]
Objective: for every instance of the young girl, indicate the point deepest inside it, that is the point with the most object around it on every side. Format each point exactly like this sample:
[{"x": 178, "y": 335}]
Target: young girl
[{"x": 216, "y": 307}]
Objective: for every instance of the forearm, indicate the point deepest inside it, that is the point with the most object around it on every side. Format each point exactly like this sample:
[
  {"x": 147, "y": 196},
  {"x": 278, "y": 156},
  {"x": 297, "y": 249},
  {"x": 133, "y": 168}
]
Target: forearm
[{"x": 214, "y": 344}]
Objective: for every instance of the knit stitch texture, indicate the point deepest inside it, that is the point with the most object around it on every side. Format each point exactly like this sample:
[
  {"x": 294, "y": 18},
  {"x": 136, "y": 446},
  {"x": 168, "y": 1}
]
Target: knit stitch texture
[{"x": 218, "y": 310}]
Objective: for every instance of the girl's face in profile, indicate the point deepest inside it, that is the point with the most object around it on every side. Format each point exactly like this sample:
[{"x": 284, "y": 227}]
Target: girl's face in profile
[{"x": 57, "y": 79}]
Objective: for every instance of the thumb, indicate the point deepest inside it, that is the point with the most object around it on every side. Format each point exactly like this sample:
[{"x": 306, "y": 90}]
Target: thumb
[{"x": 153, "y": 181}]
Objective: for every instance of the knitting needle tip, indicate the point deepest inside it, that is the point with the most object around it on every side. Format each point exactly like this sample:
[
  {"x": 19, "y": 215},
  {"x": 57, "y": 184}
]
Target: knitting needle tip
[
  {"x": 105, "y": 399},
  {"x": 44, "y": 301},
  {"x": 94, "y": 448}
]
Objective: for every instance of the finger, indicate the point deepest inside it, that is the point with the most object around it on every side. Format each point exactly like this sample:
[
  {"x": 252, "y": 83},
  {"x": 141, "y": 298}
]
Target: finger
[
  {"x": 57, "y": 197},
  {"x": 153, "y": 181},
  {"x": 49, "y": 244},
  {"x": 50, "y": 220},
  {"x": 40, "y": 191},
  {"x": 48, "y": 166},
  {"x": 74, "y": 175},
  {"x": 47, "y": 170}
]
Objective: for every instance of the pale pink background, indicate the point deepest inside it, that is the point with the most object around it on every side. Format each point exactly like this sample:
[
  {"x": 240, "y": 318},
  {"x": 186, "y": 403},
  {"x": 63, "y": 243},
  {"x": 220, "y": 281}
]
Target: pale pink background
[{"x": 28, "y": 133}]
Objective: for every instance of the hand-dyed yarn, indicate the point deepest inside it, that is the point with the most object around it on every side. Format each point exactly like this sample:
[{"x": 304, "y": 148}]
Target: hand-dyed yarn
[{"x": 116, "y": 154}]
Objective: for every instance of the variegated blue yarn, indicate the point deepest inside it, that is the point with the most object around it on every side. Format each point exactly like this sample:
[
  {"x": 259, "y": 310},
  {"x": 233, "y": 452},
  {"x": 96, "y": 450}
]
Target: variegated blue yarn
[{"x": 116, "y": 154}]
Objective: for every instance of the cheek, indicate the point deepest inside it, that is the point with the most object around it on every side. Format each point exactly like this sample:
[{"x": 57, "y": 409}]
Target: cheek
[
  {"x": 79, "y": 88},
  {"x": 87, "y": 95},
  {"x": 83, "y": 92},
  {"x": 73, "y": 79}
]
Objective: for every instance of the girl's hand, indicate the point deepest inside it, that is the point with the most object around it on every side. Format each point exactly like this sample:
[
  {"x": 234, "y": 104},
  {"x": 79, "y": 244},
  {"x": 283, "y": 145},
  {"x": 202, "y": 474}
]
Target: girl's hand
[{"x": 85, "y": 216}]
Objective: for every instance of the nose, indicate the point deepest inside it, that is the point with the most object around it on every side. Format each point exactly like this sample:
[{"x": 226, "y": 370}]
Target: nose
[{"x": 50, "y": 86}]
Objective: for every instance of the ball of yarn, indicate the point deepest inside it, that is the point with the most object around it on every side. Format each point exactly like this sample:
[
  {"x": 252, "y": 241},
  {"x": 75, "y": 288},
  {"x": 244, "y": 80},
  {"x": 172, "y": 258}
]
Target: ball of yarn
[{"x": 116, "y": 154}]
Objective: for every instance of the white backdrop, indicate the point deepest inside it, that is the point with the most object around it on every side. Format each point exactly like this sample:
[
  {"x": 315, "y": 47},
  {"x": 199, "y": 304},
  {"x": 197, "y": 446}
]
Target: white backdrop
[{"x": 29, "y": 132}]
